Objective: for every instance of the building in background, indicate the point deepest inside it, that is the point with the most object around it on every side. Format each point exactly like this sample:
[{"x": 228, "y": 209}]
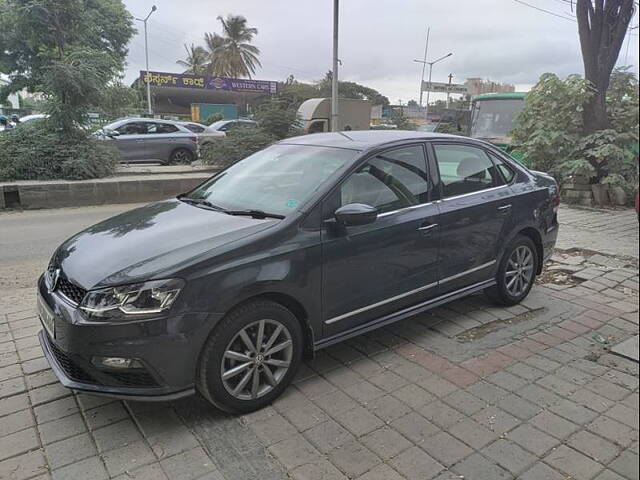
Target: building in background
[{"x": 12, "y": 103}]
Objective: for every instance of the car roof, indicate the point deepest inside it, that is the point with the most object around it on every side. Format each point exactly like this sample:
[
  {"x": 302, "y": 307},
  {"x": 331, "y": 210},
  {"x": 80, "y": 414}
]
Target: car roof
[{"x": 364, "y": 139}]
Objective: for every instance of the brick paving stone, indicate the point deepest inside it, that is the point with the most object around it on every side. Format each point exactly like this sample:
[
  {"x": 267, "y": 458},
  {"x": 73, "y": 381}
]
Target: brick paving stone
[
  {"x": 542, "y": 471},
  {"x": 13, "y": 404},
  {"x": 116, "y": 435},
  {"x": 388, "y": 381},
  {"x": 477, "y": 466},
  {"x": 464, "y": 402},
  {"x": 519, "y": 407},
  {"x": 294, "y": 452},
  {"x": 127, "y": 458},
  {"x": 364, "y": 392},
  {"x": 189, "y": 465},
  {"x": 509, "y": 455},
  {"x": 15, "y": 422},
  {"x": 445, "y": 448},
  {"x": 353, "y": 458},
  {"x": 70, "y": 450},
  {"x": 472, "y": 433},
  {"x": 62, "y": 428},
  {"x": 626, "y": 465},
  {"x": 591, "y": 400},
  {"x": 533, "y": 439},
  {"x": 90, "y": 468},
  {"x": 441, "y": 414},
  {"x": 613, "y": 430},
  {"x": 273, "y": 429},
  {"x": 358, "y": 421},
  {"x": 488, "y": 392},
  {"x": 381, "y": 472},
  {"x": 24, "y": 466},
  {"x": 507, "y": 380},
  {"x": 152, "y": 471},
  {"x": 335, "y": 402},
  {"x": 557, "y": 385},
  {"x": 415, "y": 427},
  {"x": 538, "y": 395},
  {"x": 413, "y": 395},
  {"x": 56, "y": 409},
  {"x": 573, "y": 412},
  {"x": 317, "y": 470},
  {"x": 415, "y": 464},
  {"x": 328, "y": 435},
  {"x": 573, "y": 463},
  {"x": 594, "y": 446},
  {"x": 388, "y": 408},
  {"x": 609, "y": 475},
  {"x": 106, "y": 414},
  {"x": 437, "y": 386},
  {"x": 624, "y": 414},
  {"x": 18, "y": 442},
  {"x": 495, "y": 419},
  {"x": 554, "y": 425},
  {"x": 525, "y": 371},
  {"x": 304, "y": 416},
  {"x": 385, "y": 442}
]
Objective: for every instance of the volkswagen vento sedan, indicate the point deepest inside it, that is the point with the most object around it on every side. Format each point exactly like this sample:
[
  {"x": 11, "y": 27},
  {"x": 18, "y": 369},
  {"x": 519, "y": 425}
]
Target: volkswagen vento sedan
[{"x": 306, "y": 243}]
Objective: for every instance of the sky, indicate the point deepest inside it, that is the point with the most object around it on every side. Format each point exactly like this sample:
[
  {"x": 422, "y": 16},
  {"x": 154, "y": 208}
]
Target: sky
[{"x": 502, "y": 40}]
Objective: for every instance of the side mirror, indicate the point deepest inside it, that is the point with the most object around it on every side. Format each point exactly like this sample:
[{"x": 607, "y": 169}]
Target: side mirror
[
  {"x": 111, "y": 133},
  {"x": 356, "y": 214}
]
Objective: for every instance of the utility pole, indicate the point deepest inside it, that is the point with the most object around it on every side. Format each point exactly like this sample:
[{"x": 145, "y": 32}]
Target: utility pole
[
  {"x": 334, "y": 76},
  {"x": 424, "y": 65},
  {"x": 146, "y": 54},
  {"x": 449, "y": 88},
  {"x": 431, "y": 64}
]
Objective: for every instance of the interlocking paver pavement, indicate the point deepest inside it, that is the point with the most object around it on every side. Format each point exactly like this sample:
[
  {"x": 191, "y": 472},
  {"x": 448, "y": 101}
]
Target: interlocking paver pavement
[{"x": 468, "y": 389}]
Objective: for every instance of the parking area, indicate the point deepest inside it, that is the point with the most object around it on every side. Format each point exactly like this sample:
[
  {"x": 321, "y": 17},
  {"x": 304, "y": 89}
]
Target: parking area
[{"x": 468, "y": 390}]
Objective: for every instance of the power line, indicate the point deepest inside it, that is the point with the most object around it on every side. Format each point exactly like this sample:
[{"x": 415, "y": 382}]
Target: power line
[{"x": 546, "y": 11}]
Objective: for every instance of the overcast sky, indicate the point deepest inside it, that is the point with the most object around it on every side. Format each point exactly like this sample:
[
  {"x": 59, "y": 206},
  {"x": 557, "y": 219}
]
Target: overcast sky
[{"x": 502, "y": 40}]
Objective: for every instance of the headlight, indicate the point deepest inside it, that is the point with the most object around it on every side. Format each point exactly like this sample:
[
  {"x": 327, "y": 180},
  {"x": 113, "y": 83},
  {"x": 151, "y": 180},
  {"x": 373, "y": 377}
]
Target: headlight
[{"x": 136, "y": 299}]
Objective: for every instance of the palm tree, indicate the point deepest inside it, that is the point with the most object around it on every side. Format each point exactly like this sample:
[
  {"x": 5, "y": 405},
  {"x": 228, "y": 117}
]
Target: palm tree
[
  {"x": 232, "y": 54},
  {"x": 197, "y": 60}
]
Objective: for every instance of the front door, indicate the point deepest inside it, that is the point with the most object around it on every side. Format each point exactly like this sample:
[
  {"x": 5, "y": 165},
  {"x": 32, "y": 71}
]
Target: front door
[
  {"x": 474, "y": 214},
  {"x": 131, "y": 140},
  {"x": 375, "y": 269}
]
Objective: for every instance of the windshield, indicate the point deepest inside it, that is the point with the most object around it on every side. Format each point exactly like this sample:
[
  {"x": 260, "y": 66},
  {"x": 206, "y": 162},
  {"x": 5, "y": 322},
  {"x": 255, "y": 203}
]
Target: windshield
[
  {"x": 494, "y": 118},
  {"x": 277, "y": 180}
]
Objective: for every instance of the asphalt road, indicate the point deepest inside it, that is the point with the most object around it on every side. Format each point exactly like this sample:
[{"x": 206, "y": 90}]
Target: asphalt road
[{"x": 28, "y": 238}]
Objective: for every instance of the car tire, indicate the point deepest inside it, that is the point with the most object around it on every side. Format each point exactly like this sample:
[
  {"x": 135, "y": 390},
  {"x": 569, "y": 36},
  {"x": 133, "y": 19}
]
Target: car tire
[
  {"x": 181, "y": 156},
  {"x": 227, "y": 361},
  {"x": 516, "y": 273}
]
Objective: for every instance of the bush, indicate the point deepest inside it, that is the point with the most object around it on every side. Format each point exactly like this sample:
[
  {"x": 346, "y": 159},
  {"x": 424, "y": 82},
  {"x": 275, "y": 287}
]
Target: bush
[
  {"x": 238, "y": 144},
  {"x": 214, "y": 117},
  {"x": 36, "y": 151},
  {"x": 278, "y": 118}
]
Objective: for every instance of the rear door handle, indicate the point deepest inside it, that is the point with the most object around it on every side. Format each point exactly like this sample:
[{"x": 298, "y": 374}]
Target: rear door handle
[
  {"x": 504, "y": 209},
  {"x": 426, "y": 229}
]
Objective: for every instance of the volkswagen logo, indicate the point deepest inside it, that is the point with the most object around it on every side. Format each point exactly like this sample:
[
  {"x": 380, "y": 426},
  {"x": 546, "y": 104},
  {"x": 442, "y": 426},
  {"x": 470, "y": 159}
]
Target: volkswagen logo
[{"x": 54, "y": 277}]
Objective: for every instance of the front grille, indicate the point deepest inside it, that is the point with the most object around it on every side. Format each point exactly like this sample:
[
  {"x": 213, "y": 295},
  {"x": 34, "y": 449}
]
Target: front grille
[
  {"x": 71, "y": 291},
  {"x": 134, "y": 379},
  {"x": 72, "y": 370}
]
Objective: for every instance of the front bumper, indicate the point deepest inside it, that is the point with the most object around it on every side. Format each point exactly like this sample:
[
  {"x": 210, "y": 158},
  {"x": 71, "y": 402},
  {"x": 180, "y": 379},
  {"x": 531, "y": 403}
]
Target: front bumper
[{"x": 167, "y": 347}]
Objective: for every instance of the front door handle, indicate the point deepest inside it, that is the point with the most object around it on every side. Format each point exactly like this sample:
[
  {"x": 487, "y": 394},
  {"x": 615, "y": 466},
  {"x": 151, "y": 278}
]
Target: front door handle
[
  {"x": 426, "y": 229},
  {"x": 504, "y": 209}
]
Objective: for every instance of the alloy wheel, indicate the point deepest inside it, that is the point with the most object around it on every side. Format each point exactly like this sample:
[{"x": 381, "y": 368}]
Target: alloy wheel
[
  {"x": 519, "y": 272},
  {"x": 256, "y": 359}
]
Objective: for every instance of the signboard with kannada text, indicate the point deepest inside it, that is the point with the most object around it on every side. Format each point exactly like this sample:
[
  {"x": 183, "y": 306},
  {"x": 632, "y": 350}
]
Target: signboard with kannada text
[
  {"x": 444, "y": 87},
  {"x": 207, "y": 82}
]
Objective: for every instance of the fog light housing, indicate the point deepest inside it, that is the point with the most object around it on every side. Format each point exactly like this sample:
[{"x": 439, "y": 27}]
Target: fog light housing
[{"x": 116, "y": 363}]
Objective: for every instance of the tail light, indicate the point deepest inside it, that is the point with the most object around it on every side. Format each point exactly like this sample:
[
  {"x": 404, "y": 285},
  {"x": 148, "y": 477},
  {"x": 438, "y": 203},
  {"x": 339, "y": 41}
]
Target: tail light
[{"x": 194, "y": 139}]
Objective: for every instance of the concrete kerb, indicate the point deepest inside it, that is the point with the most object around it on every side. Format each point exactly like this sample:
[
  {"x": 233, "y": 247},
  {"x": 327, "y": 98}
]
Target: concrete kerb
[{"x": 122, "y": 189}]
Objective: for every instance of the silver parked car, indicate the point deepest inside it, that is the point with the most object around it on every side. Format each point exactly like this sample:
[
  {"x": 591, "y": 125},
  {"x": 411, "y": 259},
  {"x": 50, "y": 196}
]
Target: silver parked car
[
  {"x": 205, "y": 134},
  {"x": 226, "y": 125},
  {"x": 151, "y": 140}
]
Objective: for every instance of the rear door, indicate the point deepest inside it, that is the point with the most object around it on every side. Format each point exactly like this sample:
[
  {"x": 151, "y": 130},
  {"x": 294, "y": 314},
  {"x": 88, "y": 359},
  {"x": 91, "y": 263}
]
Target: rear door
[
  {"x": 375, "y": 269},
  {"x": 475, "y": 214},
  {"x": 161, "y": 140}
]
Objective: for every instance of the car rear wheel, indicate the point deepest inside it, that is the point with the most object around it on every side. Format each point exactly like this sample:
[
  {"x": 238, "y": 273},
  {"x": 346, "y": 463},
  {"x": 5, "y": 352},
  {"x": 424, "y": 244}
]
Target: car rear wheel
[
  {"x": 181, "y": 156},
  {"x": 251, "y": 357},
  {"x": 516, "y": 273}
]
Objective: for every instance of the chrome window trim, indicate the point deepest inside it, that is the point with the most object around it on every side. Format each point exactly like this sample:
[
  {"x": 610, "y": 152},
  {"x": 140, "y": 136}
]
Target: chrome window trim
[
  {"x": 406, "y": 294},
  {"x": 404, "y": 209},
  {"x": 473, "y": 193}
]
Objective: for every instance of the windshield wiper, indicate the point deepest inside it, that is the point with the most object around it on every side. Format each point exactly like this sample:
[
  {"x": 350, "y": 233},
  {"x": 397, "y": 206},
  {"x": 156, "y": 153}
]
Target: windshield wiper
[
  {"x": 253, "y": 213},
  {"x": 199, "y": 201}
]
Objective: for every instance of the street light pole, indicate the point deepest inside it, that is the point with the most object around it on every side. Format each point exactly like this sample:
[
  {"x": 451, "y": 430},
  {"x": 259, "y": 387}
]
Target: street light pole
[
  {"x": 431, "y": 64},
  {"x": 334, "y": 76},
  {"x": 424, "y": 64},
  {"x": 146, "y": 55}
]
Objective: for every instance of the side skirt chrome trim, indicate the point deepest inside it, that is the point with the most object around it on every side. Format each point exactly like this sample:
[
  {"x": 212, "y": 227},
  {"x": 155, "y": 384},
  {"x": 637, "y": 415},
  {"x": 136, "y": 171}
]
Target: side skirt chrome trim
[
  {"x": 402, "y": 314},
  {"x": 406, "y": 294}
]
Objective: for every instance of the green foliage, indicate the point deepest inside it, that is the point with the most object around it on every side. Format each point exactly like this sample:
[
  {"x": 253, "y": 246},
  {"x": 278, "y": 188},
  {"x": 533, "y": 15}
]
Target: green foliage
[
  {"x": 351, "y": 90},
  {"x": 278, "y": 118},
  {"x": 549, "y": 130},
  {"x": 401, "y": 121},
  {"x": 214, "y": 117},
  {"x": 197, "y": 60},
  {"x": 232, "y": 54},
  {"x": 35, "y": 152},
  {"x": 119, "y": 100},
  {"x": 238, "y": 144}
]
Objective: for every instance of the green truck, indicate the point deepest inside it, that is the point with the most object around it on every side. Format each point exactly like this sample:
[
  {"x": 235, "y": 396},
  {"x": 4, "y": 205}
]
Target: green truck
[{"x": 492, "y": 117}]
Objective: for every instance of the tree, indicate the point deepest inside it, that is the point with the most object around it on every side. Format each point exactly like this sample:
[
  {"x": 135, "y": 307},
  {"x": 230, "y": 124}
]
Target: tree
[
  {"x": 352, "y": 90},
  {"x": 68, "y": 50},
  {"x": 412, "y": 103},
  {"x": 197, "y": 60},
  {"x": 232, "y": 53},
  {"x": 602, "y": 26}
]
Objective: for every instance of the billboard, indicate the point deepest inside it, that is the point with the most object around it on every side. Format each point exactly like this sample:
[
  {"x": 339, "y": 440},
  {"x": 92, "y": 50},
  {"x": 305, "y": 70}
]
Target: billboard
[
  {"x": 444, "y": 87},
  {"x": 208, "y": 82}
]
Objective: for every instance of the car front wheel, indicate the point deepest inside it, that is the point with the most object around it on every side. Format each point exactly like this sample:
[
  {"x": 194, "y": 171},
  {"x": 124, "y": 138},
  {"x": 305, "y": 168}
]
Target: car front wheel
[
  {"x": 251, "y": 357},
  {"x": 516, "y": 272}
]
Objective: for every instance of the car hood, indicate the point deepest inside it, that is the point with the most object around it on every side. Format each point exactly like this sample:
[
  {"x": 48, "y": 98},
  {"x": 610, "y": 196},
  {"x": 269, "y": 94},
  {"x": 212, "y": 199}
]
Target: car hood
[{"x": 153, "y": 241}]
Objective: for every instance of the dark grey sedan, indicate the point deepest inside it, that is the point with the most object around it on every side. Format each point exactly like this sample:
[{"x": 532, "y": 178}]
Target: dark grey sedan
[
  {"x": 151, "y": 140},
  {"x": 309, "y": 242}
]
